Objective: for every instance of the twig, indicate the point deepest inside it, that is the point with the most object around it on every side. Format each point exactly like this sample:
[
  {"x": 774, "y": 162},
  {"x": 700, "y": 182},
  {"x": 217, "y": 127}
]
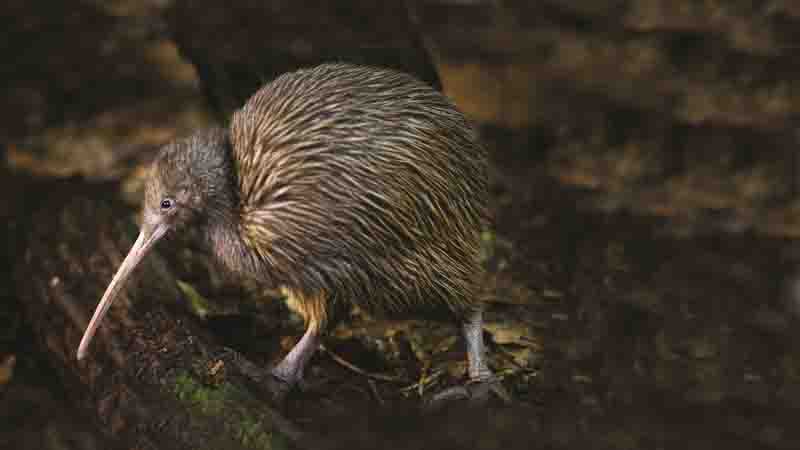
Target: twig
[
  {"x": 423, "y": 382},
  {"x": 354, "y": 368}
]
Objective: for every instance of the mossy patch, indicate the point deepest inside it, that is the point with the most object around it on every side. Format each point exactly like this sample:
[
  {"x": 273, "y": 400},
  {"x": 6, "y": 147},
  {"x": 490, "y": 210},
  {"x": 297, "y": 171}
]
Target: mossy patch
[
  {"x": 198, "y": 304},
  {"x": 223, "y": 399},
  {"x": 208, "y": 399},
  {"x": 488, "y": 243}
]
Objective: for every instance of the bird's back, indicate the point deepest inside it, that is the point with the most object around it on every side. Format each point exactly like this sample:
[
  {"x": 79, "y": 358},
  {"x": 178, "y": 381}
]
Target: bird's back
[{"x": 364, "y": 184}]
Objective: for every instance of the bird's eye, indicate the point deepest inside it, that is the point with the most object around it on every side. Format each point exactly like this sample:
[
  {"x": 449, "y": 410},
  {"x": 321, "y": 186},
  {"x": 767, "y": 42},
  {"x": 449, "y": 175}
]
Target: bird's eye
[{"x": 166, "y": 204}]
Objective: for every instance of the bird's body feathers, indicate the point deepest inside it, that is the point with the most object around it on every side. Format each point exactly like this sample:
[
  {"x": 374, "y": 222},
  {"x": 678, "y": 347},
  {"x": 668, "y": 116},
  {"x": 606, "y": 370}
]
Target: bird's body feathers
[{"x": 361, "y": 185}]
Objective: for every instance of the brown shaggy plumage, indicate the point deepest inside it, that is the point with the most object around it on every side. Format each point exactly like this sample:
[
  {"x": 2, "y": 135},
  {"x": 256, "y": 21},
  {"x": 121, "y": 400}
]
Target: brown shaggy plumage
[
  {"x": 341, "y": 185},
  {"x": 346, "y": 183}
]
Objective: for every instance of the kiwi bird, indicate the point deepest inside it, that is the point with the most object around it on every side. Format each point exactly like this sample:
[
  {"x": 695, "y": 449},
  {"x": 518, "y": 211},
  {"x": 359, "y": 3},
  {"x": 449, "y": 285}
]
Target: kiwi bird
[{"x": 341, "y": 185}]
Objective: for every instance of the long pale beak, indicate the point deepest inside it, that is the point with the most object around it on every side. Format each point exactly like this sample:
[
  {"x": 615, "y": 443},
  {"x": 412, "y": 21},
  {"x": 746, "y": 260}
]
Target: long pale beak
[{"x": 148, "y": 236}]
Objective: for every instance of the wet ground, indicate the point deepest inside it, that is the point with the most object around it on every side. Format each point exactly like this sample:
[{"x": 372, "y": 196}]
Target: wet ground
[{"x": 623, "y": 315}]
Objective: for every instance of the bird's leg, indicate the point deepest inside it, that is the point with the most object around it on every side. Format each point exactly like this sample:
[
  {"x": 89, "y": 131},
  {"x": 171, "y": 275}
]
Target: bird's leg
[
  {"x": 472, "y": 328},
  {"x": 481, "y": 378},
  {"x": 482, "y": 381},
  {"x": 289, "y": 372}
]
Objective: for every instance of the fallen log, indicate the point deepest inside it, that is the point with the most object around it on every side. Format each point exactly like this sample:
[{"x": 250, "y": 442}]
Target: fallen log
[{"x": 154, "y": 378}]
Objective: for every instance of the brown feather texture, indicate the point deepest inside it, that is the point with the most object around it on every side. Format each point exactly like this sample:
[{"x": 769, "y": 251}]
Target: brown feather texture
[{"x": 340, "y": 183}]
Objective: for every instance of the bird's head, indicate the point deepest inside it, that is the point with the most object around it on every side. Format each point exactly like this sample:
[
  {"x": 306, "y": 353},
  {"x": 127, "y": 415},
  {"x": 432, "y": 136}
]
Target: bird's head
[{"x": 188, "y": 182}]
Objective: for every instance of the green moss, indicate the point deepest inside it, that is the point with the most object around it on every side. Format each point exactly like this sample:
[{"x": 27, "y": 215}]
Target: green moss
[
  {"x": 197, "y": 302},
  {"x": 222, "y": 399},
  {"x": 487, "y": 246},
  {"x": 208, "y": 399}
]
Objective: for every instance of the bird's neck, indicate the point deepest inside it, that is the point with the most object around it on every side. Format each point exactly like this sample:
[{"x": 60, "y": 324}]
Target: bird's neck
[
  {"x": 223, "y": 230},
  {"x": 230, "y": 248}
]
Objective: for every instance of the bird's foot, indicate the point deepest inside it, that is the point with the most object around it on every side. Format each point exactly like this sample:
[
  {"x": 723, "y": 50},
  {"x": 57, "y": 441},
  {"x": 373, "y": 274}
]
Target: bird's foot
[
  {"x": 278, "y": 388},
  {"x": 474, "y": 392}
]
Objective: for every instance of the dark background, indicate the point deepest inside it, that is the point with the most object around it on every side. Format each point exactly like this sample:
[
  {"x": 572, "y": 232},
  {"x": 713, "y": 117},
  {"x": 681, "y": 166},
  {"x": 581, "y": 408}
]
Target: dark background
[{"x": 644, "y": 178}]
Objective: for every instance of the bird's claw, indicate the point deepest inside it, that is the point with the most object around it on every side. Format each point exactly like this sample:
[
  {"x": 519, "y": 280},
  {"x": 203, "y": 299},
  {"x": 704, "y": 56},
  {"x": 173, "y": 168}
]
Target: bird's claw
[
  {"x": 475, "y": 392},
  {"x": 278, "y": 388}
]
